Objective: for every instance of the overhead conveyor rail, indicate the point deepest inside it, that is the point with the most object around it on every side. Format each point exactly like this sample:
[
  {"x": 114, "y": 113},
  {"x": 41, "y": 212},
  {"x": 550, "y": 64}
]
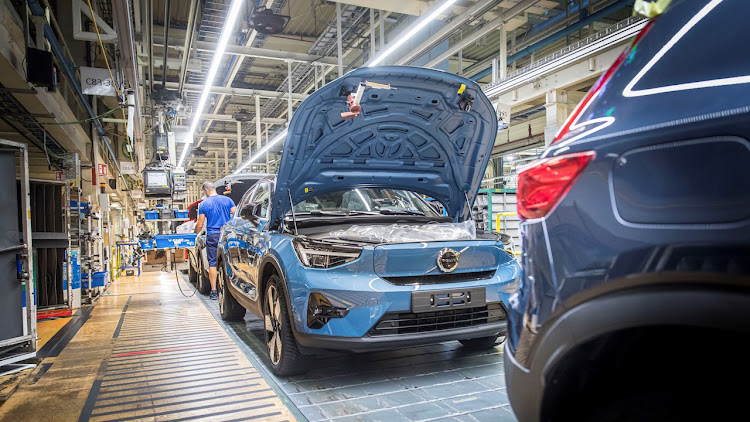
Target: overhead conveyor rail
[{"x": 575, "y": 53}]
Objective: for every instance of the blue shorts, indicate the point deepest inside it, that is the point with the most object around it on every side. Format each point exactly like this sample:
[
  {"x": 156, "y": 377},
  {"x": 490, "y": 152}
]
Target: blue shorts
[{"x": 212, "y": 242}]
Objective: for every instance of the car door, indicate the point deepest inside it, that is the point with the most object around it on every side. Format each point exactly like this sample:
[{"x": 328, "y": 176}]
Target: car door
[
  {"x": 253, "y": 237},
  {"x": 235, "y": 244}
]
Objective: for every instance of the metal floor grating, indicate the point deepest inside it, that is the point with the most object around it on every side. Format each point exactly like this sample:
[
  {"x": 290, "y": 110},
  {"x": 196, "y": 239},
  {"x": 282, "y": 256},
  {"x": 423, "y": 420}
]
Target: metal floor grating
[{"x": 172, "y": 361}]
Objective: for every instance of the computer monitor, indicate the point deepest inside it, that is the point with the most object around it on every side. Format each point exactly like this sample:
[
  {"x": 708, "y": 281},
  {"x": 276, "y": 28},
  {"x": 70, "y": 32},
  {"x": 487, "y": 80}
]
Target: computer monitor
[{"x": 157, "y": 183}]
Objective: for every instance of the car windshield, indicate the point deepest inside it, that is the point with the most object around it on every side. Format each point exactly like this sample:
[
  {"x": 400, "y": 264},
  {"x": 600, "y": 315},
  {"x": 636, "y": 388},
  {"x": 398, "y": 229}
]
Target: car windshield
[{"x": 367, "y": 200}]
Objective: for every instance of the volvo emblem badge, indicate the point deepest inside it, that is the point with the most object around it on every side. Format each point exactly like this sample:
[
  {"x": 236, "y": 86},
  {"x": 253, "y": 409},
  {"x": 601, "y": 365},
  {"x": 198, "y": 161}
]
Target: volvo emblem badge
[{"x": 447, "y": 260}]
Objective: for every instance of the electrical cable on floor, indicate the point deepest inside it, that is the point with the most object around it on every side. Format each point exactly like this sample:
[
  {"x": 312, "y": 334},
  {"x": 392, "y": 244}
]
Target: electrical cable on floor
[{"x": 177, "y": 277}]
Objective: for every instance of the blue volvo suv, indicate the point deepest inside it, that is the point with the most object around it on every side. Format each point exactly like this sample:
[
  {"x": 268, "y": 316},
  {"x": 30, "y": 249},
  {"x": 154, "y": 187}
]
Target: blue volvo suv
[
  {"x": 340, "y": 251},
  {"x": 635, "y": 298}
]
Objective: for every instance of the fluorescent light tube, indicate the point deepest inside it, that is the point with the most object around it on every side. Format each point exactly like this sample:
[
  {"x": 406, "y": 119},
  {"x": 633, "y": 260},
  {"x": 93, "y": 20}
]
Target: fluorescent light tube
[
  {"x": 263, "y": 150},
  {"x": 226, "y": 32},
  {"x": 421, "y": 23}
]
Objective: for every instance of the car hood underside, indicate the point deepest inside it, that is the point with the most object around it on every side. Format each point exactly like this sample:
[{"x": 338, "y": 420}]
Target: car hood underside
[{"x": 416, "y": 135}]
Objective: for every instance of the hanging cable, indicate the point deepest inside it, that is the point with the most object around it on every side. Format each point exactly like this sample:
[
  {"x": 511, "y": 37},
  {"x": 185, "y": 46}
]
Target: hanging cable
[
  {"x": 106, "y": 62},
  {"x": 104, "y": 52},
  {"x": 49, "y": 163}
]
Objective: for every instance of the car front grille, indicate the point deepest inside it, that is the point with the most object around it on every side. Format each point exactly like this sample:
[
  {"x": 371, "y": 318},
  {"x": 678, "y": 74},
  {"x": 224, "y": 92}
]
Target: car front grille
[
  {"x": 397, "y": 323},
  {"x": 441, "y": 278}
]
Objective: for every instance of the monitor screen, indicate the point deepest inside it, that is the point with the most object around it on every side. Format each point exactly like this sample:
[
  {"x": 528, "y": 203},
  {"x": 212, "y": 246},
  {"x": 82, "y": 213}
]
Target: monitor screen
[{"x": 157, "y": 179}]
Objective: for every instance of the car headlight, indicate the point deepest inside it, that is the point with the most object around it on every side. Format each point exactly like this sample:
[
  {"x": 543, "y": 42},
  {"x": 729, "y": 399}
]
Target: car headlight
[{"x": 316, "y": 254}]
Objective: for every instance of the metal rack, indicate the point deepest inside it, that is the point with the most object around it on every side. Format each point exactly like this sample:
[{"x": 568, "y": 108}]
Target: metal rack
[
  {"x": 50, "y": 218},
  {"x": 495, "y": 210},
  {"x": 127, "y": 257},
  {"x": 18, "y": 311},
  {"x": 86, "y": 239}
]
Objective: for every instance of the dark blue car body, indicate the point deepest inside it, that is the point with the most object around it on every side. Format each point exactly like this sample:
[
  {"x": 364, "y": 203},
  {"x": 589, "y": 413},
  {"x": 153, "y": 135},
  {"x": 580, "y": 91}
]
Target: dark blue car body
[{"x": 648, "y": 252}]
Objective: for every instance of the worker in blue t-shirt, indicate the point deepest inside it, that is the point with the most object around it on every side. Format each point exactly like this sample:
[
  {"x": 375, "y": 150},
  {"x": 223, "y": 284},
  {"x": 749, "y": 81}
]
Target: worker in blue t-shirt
[{"x": 214, "y": 211}]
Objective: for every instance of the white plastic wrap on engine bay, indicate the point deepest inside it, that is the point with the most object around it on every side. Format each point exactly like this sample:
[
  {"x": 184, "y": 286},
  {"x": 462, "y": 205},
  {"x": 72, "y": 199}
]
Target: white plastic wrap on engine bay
[{"x": 407, "y": 233}]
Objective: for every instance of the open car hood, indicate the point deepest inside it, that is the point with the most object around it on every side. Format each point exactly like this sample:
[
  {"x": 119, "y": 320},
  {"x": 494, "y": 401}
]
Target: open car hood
[{"x": 414, "y": 136}]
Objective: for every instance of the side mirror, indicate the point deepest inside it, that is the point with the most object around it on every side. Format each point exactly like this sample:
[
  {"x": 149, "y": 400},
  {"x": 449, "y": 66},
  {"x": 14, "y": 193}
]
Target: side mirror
[{"x": 250, "y": 211}]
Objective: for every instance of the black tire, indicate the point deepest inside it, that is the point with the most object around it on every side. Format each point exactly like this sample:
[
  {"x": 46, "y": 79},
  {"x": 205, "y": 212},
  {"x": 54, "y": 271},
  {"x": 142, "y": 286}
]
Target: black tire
[
  {"x": 192, "y": 274},
  {"x": 649, "y": 405},
  {"x": 204, "y": 284},
  {"x": 482, "y": 343},
  {"x": 229, "y": 308},
  {"x": 283, "y": 353}
]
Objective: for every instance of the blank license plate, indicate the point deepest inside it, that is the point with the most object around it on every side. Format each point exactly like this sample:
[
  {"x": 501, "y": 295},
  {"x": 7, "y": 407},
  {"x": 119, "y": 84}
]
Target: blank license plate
[{"x": 442, "y": 300}]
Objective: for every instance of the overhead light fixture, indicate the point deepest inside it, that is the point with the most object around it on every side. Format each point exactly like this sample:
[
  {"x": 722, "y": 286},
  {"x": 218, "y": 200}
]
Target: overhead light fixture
[
  {"x": 263, "y": 150},
  {"x": 421, "y": 23},
  {"x": 226, "y": 32}
]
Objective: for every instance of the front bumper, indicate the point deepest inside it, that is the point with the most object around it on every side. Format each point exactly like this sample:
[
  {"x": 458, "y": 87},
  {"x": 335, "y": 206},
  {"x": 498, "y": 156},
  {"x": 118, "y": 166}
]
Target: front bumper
[
  {"x": 382, "y": 318},
  {"x": 362, "y": 299},
  {"x": 368, "y": 343}
]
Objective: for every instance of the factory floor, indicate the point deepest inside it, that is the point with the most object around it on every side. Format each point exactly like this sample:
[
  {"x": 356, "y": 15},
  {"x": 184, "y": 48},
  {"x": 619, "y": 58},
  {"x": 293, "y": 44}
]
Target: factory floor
[{"x": 146, "y": 352}]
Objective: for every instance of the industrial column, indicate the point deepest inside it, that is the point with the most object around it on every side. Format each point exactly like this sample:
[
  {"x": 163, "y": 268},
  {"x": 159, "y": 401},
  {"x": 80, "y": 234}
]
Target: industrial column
[
  {"x": 372, "y": 33},
  {"x": 226, "y": 157},
  {"x": 289, "y": 79},
  {"x": 503, "y": 64},
  {"x": 340, "y": 47},
  {"x": 382, "y": 30},
  {"x": 268, "y": 165},
  {"x": 216, "y": 164},
  {"x": 239, "y": 144},
  {"x": 258, "y": 134},
  {"x": 557, "y": 111}
]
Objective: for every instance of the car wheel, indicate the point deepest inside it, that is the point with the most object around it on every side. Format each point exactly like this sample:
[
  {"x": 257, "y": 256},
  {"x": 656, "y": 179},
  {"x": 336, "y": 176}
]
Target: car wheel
[
  {"x": 229, "y": 308},
  {"x": 482, "y": 342},
  {"x": 204, "y": 284},
  {"x": 283, "y": 352}
]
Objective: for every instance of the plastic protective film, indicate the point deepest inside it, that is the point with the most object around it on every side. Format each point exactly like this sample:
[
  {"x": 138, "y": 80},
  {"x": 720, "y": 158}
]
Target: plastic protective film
[
  {"x": 406, "y": 233},
  {"x": 187, "y": 227}
]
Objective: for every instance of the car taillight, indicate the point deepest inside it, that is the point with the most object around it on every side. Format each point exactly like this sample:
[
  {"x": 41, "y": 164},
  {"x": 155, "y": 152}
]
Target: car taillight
[
  {"x": 543, "y": 183},
  {"x": 573, "y": 118}
]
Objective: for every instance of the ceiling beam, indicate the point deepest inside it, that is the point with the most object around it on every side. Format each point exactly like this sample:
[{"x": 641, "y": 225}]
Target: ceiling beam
[
  {"x": 475, "y": 11},
  {"x": 248, "y": 51},
  {"x": 265, "y": 53},
  {"x": 242, "y": 92},
  {"x": 230, "y": 118},
  {"x": 414, "y": 8},
  {"x": 504, "y": 18}
]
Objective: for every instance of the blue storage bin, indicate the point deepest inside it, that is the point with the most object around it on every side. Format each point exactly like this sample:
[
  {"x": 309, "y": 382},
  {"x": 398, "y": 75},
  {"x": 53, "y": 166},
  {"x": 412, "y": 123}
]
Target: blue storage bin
[
  {"x": 180, "y": 214},
  {"x": 99, "y": 279},
  {"x": 165, "y": 241},
  {"x": 151, "y": 215},
  {"x": 82, "y": 207},
  {"x": 146, "y": 244}
]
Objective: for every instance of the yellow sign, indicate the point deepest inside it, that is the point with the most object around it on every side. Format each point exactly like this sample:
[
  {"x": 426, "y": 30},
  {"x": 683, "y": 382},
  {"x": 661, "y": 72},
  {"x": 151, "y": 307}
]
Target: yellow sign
[{"x": 650, "y": 8}]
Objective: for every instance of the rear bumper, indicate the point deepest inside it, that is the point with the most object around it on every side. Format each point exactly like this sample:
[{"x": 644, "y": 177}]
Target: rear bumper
[
  {"x": 524, "y": 389},
  {"x": 368, "y": 343}
]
